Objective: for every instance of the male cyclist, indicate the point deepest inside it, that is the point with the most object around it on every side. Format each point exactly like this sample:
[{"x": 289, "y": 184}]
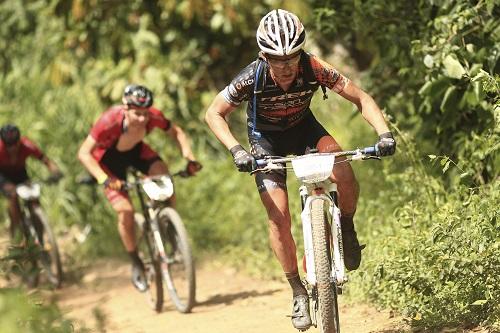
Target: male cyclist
[
  {"x": 14, "y": 151},
  {"x": 115, "y": 143},
  {"x": 281, "y": 123}
]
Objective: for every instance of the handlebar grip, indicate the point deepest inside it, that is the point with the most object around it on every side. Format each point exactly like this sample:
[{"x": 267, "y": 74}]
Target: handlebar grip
[
  {"x": 261, "y": 162},
  {"x": 373, "y": 151}
]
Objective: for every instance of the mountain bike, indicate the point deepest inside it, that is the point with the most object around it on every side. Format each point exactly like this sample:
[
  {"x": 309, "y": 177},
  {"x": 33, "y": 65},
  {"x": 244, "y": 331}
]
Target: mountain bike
[
  {"x": 322, "y": 235},
  {"x": 39, "y": 244},
  {"x": 163, "y": 243}
]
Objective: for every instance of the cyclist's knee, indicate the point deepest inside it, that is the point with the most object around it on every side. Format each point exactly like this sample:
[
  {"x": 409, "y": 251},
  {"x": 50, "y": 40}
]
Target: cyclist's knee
[
  {"x": 343, "y": 173},
  {"x": 126, "y": 218},
  {"x": 328, "y": 144},
  {"x": 158, "y": 167}
]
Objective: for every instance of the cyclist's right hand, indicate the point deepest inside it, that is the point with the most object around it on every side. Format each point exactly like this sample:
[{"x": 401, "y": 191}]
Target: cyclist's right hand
[
  {"x": 386, "y": 144},
  {"x": 242, "y": 159},
  {"x": 113, "y": 184},
  {"x": 9, "y": 189}
]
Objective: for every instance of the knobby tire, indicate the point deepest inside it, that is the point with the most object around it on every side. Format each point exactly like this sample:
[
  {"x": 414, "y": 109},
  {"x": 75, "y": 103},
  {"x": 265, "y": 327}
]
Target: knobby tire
[
  {"x": 326, "y": 290},
  {"x": 49, "y": 257},
  {"x": 179, "y": 274}
]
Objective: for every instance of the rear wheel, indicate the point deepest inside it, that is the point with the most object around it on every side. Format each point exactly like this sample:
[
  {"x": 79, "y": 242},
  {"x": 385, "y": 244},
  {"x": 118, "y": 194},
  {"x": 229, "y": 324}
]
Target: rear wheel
[
  {"x": 326, "y": 290},
  {"x": 177, "y": 264}
]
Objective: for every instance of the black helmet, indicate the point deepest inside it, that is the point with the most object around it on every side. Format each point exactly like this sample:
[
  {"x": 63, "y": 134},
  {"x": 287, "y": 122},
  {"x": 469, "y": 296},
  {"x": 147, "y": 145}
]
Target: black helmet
[
  {"x": 138, "y": 96},
  {"x": 10, "y": 134}
]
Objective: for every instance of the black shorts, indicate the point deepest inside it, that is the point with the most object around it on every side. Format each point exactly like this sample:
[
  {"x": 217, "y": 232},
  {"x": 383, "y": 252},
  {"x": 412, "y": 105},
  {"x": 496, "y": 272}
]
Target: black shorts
[
  {"x": 140, "y": 157},
  {"x": 18, "y": 177},
  {"x": 293, "y": 141}
]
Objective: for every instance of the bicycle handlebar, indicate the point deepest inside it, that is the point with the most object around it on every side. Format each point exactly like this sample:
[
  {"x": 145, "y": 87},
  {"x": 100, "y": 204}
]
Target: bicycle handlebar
[
  {"x": 90, "y": 180},
  {"x": 278, "y": 161}
]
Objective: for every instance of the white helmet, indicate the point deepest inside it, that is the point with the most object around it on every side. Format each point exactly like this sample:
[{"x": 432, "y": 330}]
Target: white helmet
[{"x": 280, "y": 33}]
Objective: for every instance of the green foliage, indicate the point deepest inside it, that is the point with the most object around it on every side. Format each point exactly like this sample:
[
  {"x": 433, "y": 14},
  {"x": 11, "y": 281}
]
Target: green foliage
[
  {"x": 433, "y": 64},
  {"x": 21, "y": 313},
  {"x": 436, "y": 257},
  {"x": 432, "y": 227}
]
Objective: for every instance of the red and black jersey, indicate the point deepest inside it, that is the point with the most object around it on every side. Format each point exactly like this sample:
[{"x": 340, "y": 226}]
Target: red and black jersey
[
  {"x": 108, "y": 128},
  {"x": 12, "y": 165},
  {"x": 276, "y": 109}
]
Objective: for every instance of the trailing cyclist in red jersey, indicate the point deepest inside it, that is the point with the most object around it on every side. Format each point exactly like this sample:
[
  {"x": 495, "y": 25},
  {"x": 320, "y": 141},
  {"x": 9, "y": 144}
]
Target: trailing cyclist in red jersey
[
  {"x": 278, "y": 110},
  {"x": 107, "y": 130},
  {"x": 11, "y": 166}
]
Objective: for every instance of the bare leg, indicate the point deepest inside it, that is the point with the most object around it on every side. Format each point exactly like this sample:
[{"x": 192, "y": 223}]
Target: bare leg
[
  {"x": 14, "y": 215},
  {"x": 348, "y": 190},
  {"x": 126, "y": 225},
  {"x": 343, "y": 176},
  {"x": 276, "y": 203}
]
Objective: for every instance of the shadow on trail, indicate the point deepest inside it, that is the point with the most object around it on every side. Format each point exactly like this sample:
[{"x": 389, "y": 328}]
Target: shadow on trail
[{"x": 228, "y": 299}]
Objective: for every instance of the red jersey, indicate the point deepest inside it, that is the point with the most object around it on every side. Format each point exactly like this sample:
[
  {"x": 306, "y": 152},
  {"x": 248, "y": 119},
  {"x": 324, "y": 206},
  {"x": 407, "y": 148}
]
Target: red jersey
[
  {"x": 10, "y": 165},
  {"x": 108, "y": 128}
]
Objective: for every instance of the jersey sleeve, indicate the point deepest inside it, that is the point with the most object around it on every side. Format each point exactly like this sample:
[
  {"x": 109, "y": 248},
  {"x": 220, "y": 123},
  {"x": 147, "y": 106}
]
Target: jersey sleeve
[
  {"x": 107, "y": 128},
  {"x": 32, "y": 149},
  {"x": 327, "y": 75},
  {"x": 158, "y": 120},
  {"x": 241, "y": 87}
]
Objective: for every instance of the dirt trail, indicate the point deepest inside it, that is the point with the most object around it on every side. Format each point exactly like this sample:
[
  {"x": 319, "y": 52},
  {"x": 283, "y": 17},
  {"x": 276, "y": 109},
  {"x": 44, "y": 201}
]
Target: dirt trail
[{"x": 227, "y": 302}]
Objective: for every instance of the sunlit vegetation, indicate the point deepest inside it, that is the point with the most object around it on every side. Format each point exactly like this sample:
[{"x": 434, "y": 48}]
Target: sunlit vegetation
[{"x": 429, "y": 214}]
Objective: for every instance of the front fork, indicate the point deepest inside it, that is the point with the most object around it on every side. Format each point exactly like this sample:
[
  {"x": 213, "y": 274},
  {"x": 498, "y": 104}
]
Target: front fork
[
  {"x": 337, "y": 269},
  {"x": 160, "y": 248}
]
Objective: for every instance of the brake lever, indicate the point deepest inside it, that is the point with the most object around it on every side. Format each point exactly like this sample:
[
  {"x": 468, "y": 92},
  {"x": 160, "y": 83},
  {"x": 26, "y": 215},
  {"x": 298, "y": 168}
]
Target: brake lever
[{"x": 371, "y": 157}]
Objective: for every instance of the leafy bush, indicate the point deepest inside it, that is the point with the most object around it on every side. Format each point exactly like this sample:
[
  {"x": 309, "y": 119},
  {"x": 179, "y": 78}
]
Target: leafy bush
[
  {"x": 436, "y": 258},
  {"x": 21, "y": 313}
]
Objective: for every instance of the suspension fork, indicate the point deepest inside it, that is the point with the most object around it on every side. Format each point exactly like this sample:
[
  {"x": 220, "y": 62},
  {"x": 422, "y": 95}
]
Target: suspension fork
[
  {"x": 338, "y": 270},
  {"x": 155, "y": 243},
  {"x": 147, "y": 227},
  {"x": 317, "y": 193}
]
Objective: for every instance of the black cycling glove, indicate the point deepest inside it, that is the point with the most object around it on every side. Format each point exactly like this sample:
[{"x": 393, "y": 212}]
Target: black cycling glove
[
  {"x": 242, "y": 159},
  {"x": 193, "y": 167},
  {"x": 257, "y": 151},
  {"x": 386, "y": 144}
]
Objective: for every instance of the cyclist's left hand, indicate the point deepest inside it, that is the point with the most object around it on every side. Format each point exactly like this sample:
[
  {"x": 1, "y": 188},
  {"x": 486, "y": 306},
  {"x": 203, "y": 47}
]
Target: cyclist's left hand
[
  {"x": 193, "y": 167},
  {"x": 55, "y": 177},
  {"x": 258, "y": 151},
  {"x": 9, "y": 189},
  {"x": 386, "y": 144}
]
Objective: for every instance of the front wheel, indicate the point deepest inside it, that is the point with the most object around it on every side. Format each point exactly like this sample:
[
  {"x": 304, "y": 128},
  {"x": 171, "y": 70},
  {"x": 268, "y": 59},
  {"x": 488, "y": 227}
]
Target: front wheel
[
  {"x": 177, "y": 266},
  {"x": 326, "y": 290},
  {"x": 49, "y": 254},
  {"x": 152, "y": 263}
]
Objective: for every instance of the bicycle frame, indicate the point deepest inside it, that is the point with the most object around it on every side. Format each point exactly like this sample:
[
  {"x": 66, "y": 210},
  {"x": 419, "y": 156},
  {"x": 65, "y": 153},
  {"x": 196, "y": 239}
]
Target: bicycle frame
[
  {"x": 323, "y": 248},
  {"x": 28, "y": 196},
  {"x": 167, "y": 242},
  {"x": 150, "y": 211}
]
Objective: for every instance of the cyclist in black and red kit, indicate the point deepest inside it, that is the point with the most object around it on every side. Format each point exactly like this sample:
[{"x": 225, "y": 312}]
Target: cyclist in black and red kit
[
  {"x": 115, "y": 143},
  {"x": 14, "y": 151},
  {"x": 279, "y": 86}
]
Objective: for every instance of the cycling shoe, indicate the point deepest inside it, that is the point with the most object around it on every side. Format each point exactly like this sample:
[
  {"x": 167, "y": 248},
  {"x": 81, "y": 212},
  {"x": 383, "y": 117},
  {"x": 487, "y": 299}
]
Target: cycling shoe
[
  {"x": 139, "y": 278},
  {"x": 301, "y": 319}
]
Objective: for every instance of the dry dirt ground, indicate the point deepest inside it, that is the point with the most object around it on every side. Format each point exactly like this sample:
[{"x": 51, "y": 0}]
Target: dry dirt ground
[{"x": 227, "y": 302}]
